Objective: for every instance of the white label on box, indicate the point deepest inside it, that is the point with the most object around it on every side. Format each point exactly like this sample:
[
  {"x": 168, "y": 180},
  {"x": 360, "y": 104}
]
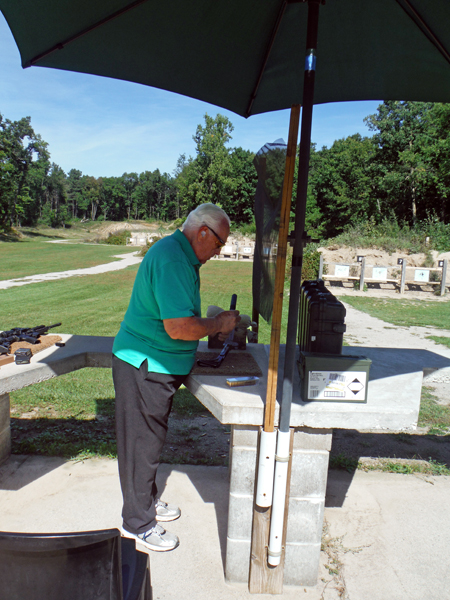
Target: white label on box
[
  {"x": 342, "y": 270},
  {"x": 421, "y": 275},
  {"x": 246, "y": 250},
  {"x": 348, "y": 386},
  {"x": 379, "y": 273}
]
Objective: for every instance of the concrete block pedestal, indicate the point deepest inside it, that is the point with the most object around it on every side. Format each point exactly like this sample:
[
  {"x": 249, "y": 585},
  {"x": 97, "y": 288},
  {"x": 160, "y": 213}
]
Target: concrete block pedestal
[
  {"x": 5, "y": 429},
  {"x": 306, "y": 503},
  {"x": 394, "y": 390}
]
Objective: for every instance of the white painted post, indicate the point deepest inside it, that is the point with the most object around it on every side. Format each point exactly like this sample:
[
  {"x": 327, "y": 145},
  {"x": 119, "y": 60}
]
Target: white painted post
[
  {"x": 361, "y": 277},
  {"x": 321, "y": 266},
  {"x": 403, "y": 278},
  {"x": 444, "y": 276}
]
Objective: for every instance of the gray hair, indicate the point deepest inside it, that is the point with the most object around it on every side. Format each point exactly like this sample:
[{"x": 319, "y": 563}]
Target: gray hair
[{"x": 205, "y": 214}]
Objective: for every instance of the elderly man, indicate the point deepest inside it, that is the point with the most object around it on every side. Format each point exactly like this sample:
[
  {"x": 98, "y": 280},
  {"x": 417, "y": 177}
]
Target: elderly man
[{"x": 153, "y": 354}]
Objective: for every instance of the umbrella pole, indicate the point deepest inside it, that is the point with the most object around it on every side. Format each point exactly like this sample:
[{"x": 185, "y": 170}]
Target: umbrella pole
[
  {"x": 261, "y": 578},
  {"x": 278, "y": 526},
  {"x": 300, "y": 214}
]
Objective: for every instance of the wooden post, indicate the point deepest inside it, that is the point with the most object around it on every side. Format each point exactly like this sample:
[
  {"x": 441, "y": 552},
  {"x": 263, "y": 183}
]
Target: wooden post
[
  {"x": 403, "y": 277},
  {"x": 361, "y": 277},
  {"x": 262, "y": 578},
  {"x": 444, "y": 276},
  {"x": 280, "y": 272}
]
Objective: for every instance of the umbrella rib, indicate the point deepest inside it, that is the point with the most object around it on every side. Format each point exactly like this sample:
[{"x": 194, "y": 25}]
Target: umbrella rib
[
  {"x": 266, "y": 56},
  {"x": 76, "y": 36},
  {"x": 414, "y": 15}
]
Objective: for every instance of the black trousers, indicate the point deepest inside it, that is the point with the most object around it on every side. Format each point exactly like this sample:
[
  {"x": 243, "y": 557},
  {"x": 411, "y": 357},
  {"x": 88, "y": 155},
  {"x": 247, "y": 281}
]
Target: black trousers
[{"x": 143, "y": 405}]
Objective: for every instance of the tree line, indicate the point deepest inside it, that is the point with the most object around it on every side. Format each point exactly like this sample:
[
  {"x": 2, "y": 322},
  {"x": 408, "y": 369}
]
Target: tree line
[
  {"x": 35, "y": 190},
  {"x": 401, "y": 172}
]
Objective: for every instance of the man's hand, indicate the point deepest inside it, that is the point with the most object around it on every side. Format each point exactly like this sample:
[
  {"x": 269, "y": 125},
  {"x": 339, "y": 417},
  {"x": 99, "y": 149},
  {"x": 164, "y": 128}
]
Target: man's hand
[{"x": 227, "y": 321}]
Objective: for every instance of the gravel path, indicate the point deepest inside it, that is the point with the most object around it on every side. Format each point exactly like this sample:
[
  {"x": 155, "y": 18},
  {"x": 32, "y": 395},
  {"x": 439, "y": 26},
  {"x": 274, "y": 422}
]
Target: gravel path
[
  {"x": 364, "y": 330},
  {"x": 125, "y": 260}
]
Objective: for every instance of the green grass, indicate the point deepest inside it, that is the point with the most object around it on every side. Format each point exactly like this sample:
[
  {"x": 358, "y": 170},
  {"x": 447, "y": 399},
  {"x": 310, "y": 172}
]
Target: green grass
[
  {"x": 31, "y": 257},
  {"x": 95, "y": 304},
  {"x": 445, "y": 341},
  {"x": 87, "y": 305},
  {"x": 428, "y": 467},
  {"x": 84, "y": 394},
  {"x": 403, "y": 313},
  {"x": 73, "y": 415},
  {"x": 433, "y": 415}
]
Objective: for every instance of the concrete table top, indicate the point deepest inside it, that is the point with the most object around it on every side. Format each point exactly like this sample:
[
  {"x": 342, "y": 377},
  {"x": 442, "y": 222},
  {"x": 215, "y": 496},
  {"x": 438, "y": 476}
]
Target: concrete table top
[
  {"x": 393, "y": 392},
  {"x": 393, "y": 400},
  {"x": 79, "y": 352}
]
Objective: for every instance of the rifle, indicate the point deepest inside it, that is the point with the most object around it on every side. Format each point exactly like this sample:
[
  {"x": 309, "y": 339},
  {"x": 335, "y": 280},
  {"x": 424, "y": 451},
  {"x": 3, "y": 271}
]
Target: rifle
[{"x": 22, "y": 334}]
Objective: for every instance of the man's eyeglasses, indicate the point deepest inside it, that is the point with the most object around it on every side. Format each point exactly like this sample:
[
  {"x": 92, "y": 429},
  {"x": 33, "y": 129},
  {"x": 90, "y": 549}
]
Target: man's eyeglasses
[{"x": 222, "y": 243}]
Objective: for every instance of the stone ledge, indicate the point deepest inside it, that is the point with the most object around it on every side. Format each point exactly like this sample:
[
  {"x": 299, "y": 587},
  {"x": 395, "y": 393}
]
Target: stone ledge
[
  {"x": 79, "y": 352},
  {"x": 393, "y": 397},
  {"x": 394, "y": 391}
]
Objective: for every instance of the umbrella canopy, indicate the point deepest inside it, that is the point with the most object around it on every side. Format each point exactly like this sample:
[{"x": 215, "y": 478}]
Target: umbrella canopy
[{"x": 244, "y": 55}]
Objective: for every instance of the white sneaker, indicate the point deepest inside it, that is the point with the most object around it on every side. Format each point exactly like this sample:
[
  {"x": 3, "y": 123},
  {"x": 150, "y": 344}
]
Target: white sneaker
[
  {"x": 166, "y": 512},
  {"x": 156, "y": 538}
]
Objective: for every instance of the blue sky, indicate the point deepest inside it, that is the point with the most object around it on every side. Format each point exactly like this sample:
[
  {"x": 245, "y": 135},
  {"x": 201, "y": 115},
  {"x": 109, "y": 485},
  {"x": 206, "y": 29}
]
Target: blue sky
[{"x": 105, "y": 127}]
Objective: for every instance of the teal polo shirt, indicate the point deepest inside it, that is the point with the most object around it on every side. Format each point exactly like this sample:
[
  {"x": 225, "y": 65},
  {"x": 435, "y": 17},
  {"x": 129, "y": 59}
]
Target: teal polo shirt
[{"x": 167, "y": 286}]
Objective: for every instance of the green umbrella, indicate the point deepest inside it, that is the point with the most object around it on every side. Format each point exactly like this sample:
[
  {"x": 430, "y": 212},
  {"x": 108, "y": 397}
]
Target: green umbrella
[{"x": 244, "y": 55}]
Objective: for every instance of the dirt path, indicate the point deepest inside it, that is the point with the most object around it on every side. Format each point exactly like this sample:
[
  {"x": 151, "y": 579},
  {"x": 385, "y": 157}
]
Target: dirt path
[{"x": 125, "y": 260}]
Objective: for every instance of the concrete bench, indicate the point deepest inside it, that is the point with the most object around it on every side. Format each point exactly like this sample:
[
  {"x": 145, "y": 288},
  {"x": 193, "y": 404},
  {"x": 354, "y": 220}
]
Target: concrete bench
[
  {"x": 228, "y": 252},
  {"x": 246, "y": 252},
  {"x": 380, "y": 274}
]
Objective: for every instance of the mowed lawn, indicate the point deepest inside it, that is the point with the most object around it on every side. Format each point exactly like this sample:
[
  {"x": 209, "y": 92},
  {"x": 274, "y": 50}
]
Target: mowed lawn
[
  {"x": 95, "y": 304},
  {"x": 34, "y": 257},
  {"x": 403, "y": 312}
]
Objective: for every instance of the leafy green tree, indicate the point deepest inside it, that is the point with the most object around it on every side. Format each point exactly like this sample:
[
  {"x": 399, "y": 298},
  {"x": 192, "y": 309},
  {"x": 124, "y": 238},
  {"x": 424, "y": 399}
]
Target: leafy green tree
[
  {"x": 55, "y": 208},
  {"x": 20, "y": 147},
  {"x": 209, "y": 177},
  {"x": 437, "y": 151},
  {"x": 239, "y": 204},
  {"x": 186, "y": 181},
  {"x": 401, "y": 136},
  {"x": 112, "y": 199},
  {"x": 75, "y": 185},
  {"x": 340, "y": 182},
  {"x": 92, "y": 195},
  {"x": 129, "y": 182}
]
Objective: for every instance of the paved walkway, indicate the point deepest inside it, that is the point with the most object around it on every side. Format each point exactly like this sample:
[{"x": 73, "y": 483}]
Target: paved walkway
[
  {"x": 386, "y": 539},
  {"x": 125, "y": 260}
]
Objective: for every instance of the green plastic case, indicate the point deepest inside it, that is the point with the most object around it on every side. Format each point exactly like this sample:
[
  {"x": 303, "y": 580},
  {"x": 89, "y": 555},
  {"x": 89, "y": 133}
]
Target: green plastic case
[{"x": 333, "y": 377}]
